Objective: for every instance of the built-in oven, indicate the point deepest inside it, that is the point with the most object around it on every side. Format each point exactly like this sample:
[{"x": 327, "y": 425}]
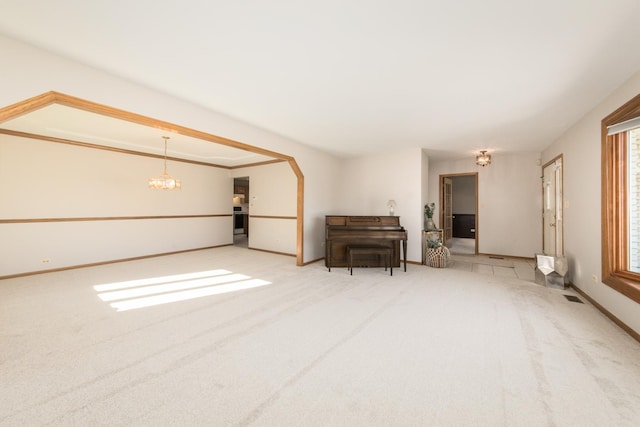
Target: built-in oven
[{"x": 238, "y": 219}]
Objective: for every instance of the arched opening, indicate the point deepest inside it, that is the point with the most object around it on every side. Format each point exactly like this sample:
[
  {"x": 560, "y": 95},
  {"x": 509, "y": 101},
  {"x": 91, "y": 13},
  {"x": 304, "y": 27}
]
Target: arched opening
[{"x": 254, "y": 156}]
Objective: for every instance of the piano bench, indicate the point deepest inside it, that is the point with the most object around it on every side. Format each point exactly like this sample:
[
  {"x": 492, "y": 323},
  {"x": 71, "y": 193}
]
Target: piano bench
[{"x": 355, "y": 251}]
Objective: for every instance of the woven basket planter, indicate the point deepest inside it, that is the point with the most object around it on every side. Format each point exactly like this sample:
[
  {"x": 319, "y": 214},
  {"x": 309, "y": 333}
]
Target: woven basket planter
[{"x": 438, "y": 257}]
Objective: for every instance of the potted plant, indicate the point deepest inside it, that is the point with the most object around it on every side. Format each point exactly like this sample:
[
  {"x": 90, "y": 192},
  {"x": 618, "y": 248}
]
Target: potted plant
[
  {"x": 437, "y": 254},
  {"x": 429, "y": 224}
]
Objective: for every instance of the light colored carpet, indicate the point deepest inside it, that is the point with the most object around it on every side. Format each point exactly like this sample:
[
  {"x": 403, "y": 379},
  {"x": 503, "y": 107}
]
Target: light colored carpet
[{"x": 429, "y": 347}]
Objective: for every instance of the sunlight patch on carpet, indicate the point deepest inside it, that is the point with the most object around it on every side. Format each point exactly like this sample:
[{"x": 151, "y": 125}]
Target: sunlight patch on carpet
[{"x": 132, "y": 294}]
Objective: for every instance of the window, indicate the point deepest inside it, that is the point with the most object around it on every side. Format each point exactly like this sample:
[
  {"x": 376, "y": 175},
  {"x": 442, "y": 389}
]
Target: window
[
  {"x": 634, "y": 200},
  {"x": 621, "y": 199}
]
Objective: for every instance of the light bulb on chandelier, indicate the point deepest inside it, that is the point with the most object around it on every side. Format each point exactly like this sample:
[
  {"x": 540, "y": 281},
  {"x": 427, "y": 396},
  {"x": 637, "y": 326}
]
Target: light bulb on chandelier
[{"x": 483, "y": 159}]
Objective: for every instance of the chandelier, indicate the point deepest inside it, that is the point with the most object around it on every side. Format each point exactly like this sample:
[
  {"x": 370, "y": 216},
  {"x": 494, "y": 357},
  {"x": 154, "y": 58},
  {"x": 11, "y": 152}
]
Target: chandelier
[
  {"x": 483, "y": 159},
  {"x": 165, "y": 181}
]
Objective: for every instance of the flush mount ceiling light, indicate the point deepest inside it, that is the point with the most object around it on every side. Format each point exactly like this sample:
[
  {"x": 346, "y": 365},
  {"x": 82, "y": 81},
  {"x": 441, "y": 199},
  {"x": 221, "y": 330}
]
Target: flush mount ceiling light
[
  {"x": 483, "y": 159},
  {"x": 165, "y": 181}
]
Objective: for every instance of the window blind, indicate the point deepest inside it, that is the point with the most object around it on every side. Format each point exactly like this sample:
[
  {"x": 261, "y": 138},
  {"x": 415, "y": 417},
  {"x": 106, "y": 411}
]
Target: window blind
[{"x": 624, "y": 126}]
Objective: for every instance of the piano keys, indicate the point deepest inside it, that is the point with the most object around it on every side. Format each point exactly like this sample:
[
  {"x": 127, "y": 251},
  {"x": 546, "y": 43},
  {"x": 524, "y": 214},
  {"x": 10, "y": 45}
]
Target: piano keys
[{"x": 362, "y": 231}]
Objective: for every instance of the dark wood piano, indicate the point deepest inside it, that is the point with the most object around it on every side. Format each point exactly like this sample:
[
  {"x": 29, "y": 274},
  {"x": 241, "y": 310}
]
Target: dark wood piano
[{"x": 342, "y": 232}]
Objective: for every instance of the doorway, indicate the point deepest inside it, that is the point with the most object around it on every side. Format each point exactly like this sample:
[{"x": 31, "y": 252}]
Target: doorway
[
  {"x": 459, "y": 213},
  {"x": 241, "y": 211},
  {"x": 552, "y": 208}
]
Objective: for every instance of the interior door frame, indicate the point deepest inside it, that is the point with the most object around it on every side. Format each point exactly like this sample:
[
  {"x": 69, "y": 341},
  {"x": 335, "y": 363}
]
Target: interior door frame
[
  {"x": 559, "y": 205},
  {"x": 477, "y": 213}
]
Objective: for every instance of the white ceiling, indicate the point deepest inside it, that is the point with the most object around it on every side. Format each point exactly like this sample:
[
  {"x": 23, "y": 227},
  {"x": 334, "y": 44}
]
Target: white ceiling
[
  {"x": 358, "y": 76},
  {"x": 71, "y": 124}
]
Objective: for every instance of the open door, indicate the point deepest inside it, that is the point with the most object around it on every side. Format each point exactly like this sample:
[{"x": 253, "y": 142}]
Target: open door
[
  {"x": 241, "y": 211},
  {"x": 459, "y": 213},
  {"x": 552, "y": 221},
  {"x": 447, "y": 210}
]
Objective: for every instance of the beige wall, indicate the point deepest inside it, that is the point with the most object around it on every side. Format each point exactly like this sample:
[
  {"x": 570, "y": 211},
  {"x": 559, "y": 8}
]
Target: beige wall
[
  {"x": 581, "y": 151},
  {"x": 272, "y": 193},
  {"x": 50, "y": 180},
  {"x": 27, "y": 72},
  {"x": 464, "y": 195},
  {"x": 424, "y": 180},
  {"x": 509, "y": 201},
  {"x": 370, "y": 181}
]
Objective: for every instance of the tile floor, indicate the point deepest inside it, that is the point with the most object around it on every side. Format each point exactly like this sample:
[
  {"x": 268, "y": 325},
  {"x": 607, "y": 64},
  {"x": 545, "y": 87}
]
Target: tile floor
[
  {"x": 463, "y": 258},
  {"x": 240, "y": 239},
  {"x": 522, "y": 269}
]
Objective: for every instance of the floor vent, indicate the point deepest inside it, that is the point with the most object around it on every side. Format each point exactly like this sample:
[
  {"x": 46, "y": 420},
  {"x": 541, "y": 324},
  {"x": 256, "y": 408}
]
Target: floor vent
[
  {"x": 496, "y": 257},
  {"x": 573, "y": 298}
]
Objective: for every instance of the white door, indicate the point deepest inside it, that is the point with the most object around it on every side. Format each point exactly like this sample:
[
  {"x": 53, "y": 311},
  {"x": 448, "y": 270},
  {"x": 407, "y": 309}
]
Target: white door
[{"x": 552, "y": 223}]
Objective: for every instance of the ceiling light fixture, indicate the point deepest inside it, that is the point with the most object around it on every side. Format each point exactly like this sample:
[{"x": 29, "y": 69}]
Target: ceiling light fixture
[
  {"x": 165, "y": 181},
  {"x": 483, "y": 159}
]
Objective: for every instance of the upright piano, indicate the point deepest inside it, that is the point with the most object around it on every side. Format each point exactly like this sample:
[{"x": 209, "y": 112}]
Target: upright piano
[{"x": 375, "y": 231}]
